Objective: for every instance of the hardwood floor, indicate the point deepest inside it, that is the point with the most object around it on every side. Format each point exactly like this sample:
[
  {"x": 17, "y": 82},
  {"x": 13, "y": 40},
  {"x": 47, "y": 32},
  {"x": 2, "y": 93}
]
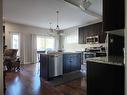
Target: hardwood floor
[
  {"x": 76, "y": 87},
  {"x": 28, "y": 82}
]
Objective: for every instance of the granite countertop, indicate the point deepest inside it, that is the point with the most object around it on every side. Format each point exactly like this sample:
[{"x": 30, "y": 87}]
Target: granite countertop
[
  {"x": 113, "y": 60},
  {"x": 72, "y": 52},
  {"x": 59, "y": 53},
  {"x": 100, "y": 52},
  {"x": 55, "y": 53}
]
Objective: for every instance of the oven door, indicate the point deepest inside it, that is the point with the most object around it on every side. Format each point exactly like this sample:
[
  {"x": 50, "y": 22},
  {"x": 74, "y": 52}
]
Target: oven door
[{"x": 88, "y": 55}]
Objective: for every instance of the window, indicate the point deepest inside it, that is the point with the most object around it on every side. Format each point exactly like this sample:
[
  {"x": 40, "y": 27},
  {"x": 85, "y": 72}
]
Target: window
[
  {"x": 15, "y": 42},
  {"x": 45, "y": 43}
]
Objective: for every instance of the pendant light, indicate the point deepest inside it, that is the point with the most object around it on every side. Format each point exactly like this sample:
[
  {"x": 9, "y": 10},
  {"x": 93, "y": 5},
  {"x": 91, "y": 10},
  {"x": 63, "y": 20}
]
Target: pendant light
[
  {"x": 50, "y": 29},
  {"x": 57, "y": 27}
]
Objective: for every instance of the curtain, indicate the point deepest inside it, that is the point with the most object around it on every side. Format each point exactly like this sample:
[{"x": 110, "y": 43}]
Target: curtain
[
  {"x": 22, "y": 48},
  {"x": 34, "y": 48}
]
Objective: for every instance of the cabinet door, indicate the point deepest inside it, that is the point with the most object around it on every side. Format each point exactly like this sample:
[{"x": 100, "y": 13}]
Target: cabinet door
[
  {"x": 115, "y": 45},
  {"x": 98, "y": 31},
  {"x": 87, "y": 32},
  {"x": 73, "y": 61},
  {"x": 104, "y": 79},
  {"x": 66, "y": 62},
  {"x": 101, "y": 33},
  {"x": 44, "y": 66},
  {"x": 78, "y": 58},
  {"x": 76, "y": 62},
  {"x": 113, "y": 14},
  {"x": 95, "y": 29}
]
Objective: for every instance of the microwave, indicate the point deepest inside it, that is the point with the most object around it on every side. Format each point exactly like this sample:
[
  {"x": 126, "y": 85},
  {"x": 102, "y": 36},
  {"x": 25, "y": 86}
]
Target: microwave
[{"x": 92, "y": 39}]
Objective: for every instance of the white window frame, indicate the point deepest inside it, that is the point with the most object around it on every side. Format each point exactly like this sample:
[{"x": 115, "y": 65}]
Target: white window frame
[
  {"x": 11, "y": 41},
  {"x": 45, "y": 40}
]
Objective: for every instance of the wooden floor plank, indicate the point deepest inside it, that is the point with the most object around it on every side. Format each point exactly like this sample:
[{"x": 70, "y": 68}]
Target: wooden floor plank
[{"x": 28, "y": 82}]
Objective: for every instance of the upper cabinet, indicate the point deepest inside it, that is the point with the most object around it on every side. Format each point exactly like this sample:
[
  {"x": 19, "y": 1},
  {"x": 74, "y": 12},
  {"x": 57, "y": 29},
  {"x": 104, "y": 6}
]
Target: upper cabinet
[
  {"x": 92, "y": 34},
  {"x": 115, "y": 45},
  {"x": 113, "y": 15}
]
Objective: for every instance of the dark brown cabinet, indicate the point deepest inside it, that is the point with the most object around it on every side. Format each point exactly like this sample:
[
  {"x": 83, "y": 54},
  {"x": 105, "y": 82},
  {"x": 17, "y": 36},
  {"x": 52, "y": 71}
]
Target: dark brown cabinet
[
  {"x": 113, "y": 14},
  {"x": 115, "y": 45},
  {"x": 105, "y": 79},
  {"x": 92, "y": 30},
  {"x": 44, "y": 66}
]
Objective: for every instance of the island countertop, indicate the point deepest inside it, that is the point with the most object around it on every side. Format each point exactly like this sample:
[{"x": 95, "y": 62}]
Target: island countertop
[{"x": 113, "y": 60}]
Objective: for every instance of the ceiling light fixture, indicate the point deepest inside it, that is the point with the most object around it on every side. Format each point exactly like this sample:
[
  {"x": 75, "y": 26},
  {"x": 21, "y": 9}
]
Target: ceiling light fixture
[
  {"x": 57, "y": 29},
  {"x": 50, "y": 29}
]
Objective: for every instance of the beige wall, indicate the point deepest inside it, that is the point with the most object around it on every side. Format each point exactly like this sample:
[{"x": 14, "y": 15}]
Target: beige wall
[
  {"x": 26, "y": 38},
  {"x": 1, "y": 56},
  {"x": 75, "y": 46}
]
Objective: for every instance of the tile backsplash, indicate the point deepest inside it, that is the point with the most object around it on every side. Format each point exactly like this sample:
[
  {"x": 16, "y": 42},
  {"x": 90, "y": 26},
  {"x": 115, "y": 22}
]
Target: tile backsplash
[{"x": 80, "y": 47}]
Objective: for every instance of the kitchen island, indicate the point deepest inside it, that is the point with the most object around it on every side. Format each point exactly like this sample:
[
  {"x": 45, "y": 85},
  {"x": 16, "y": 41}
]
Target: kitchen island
[
  {"x": 105, "y": 76},
  {"x": 59, "y": 63}
]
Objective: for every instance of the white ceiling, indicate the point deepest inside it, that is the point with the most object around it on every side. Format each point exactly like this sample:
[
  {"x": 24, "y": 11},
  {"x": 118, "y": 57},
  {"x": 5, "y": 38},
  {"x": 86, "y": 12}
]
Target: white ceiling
[{"x": 40, "y": 12}]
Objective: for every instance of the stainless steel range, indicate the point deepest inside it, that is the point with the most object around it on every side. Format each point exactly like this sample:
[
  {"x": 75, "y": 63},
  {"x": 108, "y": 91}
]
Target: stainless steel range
[
  {"x": 92, "y": 52},
  {"x": 88, "y": 55}
]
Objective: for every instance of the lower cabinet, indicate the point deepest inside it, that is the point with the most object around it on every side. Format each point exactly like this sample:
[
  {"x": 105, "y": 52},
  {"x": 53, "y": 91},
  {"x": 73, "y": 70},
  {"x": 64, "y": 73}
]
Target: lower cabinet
[
  {"x": 44, "y": 66},
  {"x": 72, "y": 62},
  {"x": 105, "y": 79}
]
